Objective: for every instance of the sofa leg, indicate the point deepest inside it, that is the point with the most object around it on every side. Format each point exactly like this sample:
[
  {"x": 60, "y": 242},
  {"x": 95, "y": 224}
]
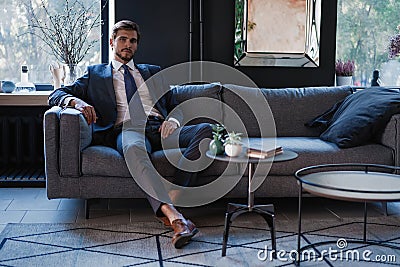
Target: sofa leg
[{"x": 87, "y": 206}]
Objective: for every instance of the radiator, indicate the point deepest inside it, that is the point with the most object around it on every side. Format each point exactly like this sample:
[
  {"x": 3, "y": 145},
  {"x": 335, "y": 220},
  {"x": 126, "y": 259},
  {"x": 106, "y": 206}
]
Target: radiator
[{"x": 21, "y": 137}]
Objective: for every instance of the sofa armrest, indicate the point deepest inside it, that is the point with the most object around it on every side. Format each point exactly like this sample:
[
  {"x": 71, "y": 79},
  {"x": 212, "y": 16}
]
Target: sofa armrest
[
  {"x": 51, "y": 128},
  {"x": 75, "y": 135},
  {"x": 390, "y": 137}
]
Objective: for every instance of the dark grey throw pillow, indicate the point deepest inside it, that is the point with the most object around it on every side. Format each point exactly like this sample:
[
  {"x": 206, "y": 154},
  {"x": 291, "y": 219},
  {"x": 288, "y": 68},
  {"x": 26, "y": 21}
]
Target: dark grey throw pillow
[
  {"x": 197, "y": 97},
  {"x": 361, "y": 116}
]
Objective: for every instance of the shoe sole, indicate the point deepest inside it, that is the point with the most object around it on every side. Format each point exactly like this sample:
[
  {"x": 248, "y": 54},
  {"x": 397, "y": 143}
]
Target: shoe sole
[{"x": 184, "y": 239}]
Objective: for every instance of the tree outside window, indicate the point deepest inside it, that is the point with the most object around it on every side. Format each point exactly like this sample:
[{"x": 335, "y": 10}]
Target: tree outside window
[
  {"x": 363, "y": 31},
  {"x": 17, "y": 48}
]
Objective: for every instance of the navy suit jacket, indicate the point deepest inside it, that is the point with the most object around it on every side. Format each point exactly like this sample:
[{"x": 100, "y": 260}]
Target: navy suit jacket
[{"x": 96, "y": 88}]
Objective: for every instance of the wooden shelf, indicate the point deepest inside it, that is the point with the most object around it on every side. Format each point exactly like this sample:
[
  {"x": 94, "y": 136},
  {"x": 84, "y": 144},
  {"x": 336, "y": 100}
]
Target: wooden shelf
[{"x": 37, "y": 98}]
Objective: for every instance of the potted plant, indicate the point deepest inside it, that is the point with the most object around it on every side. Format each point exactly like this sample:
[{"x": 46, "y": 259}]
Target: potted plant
[
  {"x": 344, "y": 72},
  {"x": 233, "y": 144},
  {"x": 217, "y": 144},
  {"x": 394, "y": 45}
]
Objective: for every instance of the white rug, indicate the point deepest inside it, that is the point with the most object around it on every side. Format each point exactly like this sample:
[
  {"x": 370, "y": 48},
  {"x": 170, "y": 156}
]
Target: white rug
[{"x": 150, "y": 244}]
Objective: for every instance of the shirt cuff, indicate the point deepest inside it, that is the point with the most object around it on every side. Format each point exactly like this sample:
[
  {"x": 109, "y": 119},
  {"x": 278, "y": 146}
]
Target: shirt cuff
[
  {"x": 66, "y": 101},
  {"x": 175, "y": 120}
]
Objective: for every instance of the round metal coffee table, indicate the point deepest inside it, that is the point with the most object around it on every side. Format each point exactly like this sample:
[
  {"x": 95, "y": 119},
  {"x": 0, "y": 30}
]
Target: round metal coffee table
[
  {"x": 266, "y": 211},
  {"x": 350, "y": 182}
]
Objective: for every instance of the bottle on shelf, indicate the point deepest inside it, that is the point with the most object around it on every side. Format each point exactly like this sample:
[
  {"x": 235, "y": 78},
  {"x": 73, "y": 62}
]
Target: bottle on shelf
[
  {"x": 24, "y": 85},
  {"x": 376, "y": 81}
]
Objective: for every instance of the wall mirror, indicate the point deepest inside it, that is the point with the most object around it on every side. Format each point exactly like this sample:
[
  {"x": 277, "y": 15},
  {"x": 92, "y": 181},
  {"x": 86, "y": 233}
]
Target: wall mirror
[{"x": 283, "y": 33}]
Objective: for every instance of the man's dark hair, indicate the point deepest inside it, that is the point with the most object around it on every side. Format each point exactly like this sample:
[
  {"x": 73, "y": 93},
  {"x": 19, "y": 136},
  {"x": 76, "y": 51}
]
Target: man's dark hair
[{"x": 125, "y": 25}]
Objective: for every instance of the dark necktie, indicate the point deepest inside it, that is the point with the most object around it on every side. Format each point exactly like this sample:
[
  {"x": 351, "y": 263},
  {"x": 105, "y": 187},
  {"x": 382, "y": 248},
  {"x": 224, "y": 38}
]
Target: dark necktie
[
  {"x": 136, "y": 111},
  {"x": 130, "y": 85}
]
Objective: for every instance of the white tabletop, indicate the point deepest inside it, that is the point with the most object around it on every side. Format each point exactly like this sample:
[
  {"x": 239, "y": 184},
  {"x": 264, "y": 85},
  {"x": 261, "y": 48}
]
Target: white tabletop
[{"x": 353, "y": 185}]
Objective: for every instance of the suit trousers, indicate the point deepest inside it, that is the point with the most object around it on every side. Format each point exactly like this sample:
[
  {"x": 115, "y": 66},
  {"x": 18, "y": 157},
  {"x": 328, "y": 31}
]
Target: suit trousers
[{"x": 137, "y": 147}]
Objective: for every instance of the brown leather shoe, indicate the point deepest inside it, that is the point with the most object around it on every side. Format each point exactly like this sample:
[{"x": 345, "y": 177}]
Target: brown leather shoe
[
  {"x": 165, "y": 221},
  {"x": 184, "y": 230}
]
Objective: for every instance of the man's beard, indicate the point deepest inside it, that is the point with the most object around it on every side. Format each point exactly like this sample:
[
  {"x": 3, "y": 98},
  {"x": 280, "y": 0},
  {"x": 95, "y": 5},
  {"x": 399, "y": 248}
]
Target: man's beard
[{"x": 127, "y": 59}]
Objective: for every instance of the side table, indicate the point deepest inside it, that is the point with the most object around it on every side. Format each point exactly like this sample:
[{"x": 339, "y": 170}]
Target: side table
[
  {"x": 266, "y": 211},
  {"x": 350, "y": 182}
]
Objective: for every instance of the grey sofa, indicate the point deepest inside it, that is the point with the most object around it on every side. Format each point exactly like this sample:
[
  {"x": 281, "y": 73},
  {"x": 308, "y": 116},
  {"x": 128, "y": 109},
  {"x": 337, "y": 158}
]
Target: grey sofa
[{"x": 75, "y": 169}]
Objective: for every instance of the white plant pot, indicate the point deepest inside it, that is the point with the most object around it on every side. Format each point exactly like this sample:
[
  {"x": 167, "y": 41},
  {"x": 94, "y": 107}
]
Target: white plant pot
[
  {"x": 233, "y": 150},
  {"x": 344, "y": 80}
]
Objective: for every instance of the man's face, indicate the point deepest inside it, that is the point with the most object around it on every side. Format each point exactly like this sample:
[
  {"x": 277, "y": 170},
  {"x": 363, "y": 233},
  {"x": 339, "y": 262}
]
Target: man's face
[{"x": 124, "y": 45}]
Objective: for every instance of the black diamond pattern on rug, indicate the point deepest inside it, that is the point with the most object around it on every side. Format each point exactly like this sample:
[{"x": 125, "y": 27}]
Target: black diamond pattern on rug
[{"x": 149, "y": 244}]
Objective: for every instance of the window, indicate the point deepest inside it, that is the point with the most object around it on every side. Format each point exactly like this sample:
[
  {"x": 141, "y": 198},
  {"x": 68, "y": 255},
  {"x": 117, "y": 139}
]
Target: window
[
  {"x": 18, "y": 47},
  {"x": 363, "y": 31}
]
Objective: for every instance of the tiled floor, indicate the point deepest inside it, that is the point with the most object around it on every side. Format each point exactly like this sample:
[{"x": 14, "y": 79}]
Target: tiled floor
[{"x": 30, "y": 205}]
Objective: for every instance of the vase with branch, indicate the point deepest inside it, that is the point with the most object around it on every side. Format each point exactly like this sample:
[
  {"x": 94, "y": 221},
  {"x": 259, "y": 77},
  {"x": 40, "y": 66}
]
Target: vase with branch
[{"x": 67, "y": 33}]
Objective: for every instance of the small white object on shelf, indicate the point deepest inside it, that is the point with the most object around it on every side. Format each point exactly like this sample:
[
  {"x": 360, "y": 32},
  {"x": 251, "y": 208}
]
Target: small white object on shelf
[
  {"x": 58, "y": 74},
  {"x": 24, "y": 85}
]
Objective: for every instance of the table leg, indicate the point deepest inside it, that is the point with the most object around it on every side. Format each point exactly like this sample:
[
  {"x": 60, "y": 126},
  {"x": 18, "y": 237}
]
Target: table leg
[
  {"x": 250, "y": 197},
  {"x": 234, "y": 210},
  {"x": 226, "y": 232},
  {"x": 267, "y": 212},
  {"x": 299, "y": 223},
  {"x": 385, "y": 208},
  {"x": 365, "y": 222}
]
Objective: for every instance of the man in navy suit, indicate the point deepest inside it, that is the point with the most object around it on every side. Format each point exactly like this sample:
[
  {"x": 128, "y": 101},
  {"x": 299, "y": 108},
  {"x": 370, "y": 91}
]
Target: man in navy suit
[{"x": 105, "y": 95}]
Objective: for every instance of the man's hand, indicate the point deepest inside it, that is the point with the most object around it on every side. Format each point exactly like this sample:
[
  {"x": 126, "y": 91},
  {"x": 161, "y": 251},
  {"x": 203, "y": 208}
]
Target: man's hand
[
  {"x": 87, "y": 110},
  {"x": 167, "y": 128}
]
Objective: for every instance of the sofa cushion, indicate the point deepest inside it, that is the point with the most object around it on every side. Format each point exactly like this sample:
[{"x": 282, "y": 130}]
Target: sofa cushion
[
  {"x": 198, "y": 96},
  {"x": 96, "y": 161},
  {"x": 362, "y": 116},
  {"x": 244, "y": 107},
  {"x": 166, "y": 169},
  {"x": 314, "y": 151},
  {"x": 291, "y": 107}
]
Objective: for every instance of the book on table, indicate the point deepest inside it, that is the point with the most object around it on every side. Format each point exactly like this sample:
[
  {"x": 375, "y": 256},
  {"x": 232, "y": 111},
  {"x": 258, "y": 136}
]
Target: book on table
[{"x": 263, "y": 153}]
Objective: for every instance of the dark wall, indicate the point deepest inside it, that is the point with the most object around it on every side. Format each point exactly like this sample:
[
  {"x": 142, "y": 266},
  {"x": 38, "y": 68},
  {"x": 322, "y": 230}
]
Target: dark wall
[
  {"x": 164, "y": 26},
  {"x": 165, "y": 39}
]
